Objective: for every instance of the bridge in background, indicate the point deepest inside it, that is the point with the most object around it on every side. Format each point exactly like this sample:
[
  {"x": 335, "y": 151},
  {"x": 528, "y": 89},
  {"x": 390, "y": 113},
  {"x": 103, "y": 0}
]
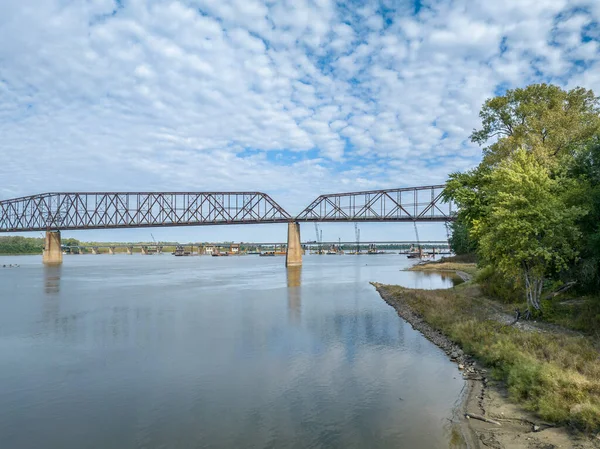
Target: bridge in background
[
  {"x": 55, "y": 212},
  {"x": 158, "y": 247}
]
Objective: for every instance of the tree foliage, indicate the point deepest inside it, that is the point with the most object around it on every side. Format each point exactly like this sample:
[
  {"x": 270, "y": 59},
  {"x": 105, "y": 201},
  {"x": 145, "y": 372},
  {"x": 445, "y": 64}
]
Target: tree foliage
[
  {"x": 537, "y": 187},
  {"x": 586, "y": 171},
  {"x": 528, "y": 230},
  {"x": 460, "y": 239},
  {"x": 21, "y": 245},
  {"x": 27, "y": 245},
  {"x": 468, "y": 191},
  {"x": 543, "y": 119}
]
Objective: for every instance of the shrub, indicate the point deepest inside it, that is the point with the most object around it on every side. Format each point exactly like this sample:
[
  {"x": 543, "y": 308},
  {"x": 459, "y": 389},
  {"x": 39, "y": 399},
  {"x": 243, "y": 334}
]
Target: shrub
[{"x": 494, "y": 284}]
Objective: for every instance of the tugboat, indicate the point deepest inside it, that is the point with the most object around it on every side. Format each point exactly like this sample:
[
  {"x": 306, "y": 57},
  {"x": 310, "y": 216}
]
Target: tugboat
[
  {"x": 373, "y": 249},
  {"x": 334, "y": 250},
  {"x": 267, "y": 253},
  {"x": 218, "y": 253},
  {"x": 419, "y": 254},
  {"x": 180, "y": 251}
]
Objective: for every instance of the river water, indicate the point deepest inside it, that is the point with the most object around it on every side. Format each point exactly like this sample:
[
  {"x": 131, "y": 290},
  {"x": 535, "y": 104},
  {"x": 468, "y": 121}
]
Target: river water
[{"x": 217, "y": 352}]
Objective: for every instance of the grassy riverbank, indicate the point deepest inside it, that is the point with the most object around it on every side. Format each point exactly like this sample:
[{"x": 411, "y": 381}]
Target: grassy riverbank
[{"x": 552, "y": 371}]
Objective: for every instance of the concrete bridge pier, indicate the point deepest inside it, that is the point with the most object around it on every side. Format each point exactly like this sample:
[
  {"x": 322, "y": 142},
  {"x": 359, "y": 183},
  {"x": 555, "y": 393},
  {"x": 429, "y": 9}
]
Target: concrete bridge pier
[
  {"x": 94, "y": 250},
  {"x": 130, "y": 250},
  {"x": 111, "y": 250},
  {"x": 52, "y": 254},
  {"x": 144, "y": 250},
  {"x": 293, "y": 256}
]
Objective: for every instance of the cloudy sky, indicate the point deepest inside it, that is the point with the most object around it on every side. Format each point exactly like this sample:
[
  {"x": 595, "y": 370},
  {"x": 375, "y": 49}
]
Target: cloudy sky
[{"x": 291, "y": 97}]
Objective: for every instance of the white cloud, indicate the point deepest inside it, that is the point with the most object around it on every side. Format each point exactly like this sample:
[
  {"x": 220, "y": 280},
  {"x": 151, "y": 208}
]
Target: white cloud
[{"x": 294, "y": 97}]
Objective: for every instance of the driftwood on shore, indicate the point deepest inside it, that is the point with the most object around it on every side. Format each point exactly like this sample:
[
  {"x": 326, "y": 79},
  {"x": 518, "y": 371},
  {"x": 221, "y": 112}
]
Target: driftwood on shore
[{"x": 482, "y": 418}]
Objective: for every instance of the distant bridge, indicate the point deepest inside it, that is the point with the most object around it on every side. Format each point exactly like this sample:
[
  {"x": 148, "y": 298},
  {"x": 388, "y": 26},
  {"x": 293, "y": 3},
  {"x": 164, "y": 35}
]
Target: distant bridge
[
  {"x": 146, "y": 248},
  {"x": 55, "y": 212}
]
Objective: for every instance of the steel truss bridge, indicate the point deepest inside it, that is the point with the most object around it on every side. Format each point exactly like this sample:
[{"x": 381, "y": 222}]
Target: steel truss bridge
[
  {"x": 407, "y": 204},
  {"x": 110, "y": 210}
]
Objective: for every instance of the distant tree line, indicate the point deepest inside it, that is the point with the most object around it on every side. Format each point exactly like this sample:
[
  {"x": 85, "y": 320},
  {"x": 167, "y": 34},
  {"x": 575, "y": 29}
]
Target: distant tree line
[
  {"x": 27, "y": 245},
  {"x": 21, "y": 245}
]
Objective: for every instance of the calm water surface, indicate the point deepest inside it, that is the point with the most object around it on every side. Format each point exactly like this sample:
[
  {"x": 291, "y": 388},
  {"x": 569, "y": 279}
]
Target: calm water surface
[{"x": 205, "y": 352}]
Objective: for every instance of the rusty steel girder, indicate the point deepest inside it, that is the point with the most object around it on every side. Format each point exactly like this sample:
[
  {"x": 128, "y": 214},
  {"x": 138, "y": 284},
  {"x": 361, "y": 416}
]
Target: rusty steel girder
[
  {"x": 405, "y": 204},
  {"x": 101, "y": 210},
  {"x": 105, "y": 210}
]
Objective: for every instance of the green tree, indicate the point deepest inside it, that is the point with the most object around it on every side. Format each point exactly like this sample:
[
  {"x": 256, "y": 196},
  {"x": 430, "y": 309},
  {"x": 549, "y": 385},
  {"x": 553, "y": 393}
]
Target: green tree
[
  {"x": 71, "y": 242},
  {"x": 460, "y": 240},
  {"x": 541, "y": 118},
  {"x": 586, "y": 172},
  {"x": 527, "y": 230},
  {"x": 553, "y": 125},
  {"x": 20, "y": 245},
  {"x": 467, "y": 190}
]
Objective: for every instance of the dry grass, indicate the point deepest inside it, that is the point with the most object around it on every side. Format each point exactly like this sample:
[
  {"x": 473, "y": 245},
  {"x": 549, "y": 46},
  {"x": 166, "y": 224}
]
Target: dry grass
[
  {"x": 470, "y": 268},
  {"x": 554, "y": 374}
]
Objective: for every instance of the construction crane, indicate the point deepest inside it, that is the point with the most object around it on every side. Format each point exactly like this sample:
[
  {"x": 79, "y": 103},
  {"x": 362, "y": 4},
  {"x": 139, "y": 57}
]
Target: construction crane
[
  {"x": 357, "y": 235},
  {"x": 319, "y": 236},
  {"x": 418, "y": 240},
  {"x": 157, "y": 249}
]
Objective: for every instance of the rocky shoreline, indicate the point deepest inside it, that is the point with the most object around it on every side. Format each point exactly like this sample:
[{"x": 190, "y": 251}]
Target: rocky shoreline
[
  {"x": 474, "y": 376},
  {"x": 487, "y": 418}
]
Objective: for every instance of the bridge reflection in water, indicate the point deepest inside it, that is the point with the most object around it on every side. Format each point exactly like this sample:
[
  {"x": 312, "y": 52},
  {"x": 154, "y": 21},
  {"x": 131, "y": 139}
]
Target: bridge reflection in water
[
  {"x": 52, "y": 279},
  {"x": 294, "y": 281}
]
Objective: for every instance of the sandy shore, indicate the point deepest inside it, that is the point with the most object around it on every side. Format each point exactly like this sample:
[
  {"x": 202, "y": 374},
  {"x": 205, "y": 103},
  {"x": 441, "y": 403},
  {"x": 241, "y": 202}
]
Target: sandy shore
[{"x": 488, "y": 418}]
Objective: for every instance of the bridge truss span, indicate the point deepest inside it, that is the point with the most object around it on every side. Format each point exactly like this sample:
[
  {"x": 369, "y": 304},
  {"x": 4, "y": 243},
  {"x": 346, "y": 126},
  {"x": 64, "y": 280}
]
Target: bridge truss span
[
  {"x": 405, "y": 204},
  {"x": 102, "y": 210}
]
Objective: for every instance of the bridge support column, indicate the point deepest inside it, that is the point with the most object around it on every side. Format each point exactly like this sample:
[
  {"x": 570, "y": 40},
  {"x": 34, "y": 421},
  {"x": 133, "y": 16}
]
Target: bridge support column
[
  {"x": 293, "y": 256},
  {"x": 52, "y": 254},
  {"x": 111, "y": 250},
  {"x": 144, "y": 250},
  {"x": 130, "y": 250},
  {"x": 94, "y": 250}
]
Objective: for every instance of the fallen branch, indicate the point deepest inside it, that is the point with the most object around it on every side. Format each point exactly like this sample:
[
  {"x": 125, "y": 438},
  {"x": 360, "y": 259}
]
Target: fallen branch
[
  {"x": 482, "y": 418},
  {"x": 562, "y": 289},
  {"x": 473, "y": 378}
]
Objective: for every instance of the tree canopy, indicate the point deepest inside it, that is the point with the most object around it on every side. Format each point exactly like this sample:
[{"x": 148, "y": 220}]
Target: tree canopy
[
  {"x": 531, "y": 208},
  {"x": 541, "y": 118},
  {"x": 21, "y": 245},
  {"x": 527, "y": 230}
]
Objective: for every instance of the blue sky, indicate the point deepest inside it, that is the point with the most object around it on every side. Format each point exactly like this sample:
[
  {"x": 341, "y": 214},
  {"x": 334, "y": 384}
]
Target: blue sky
[{"x": 295, "y": 98}]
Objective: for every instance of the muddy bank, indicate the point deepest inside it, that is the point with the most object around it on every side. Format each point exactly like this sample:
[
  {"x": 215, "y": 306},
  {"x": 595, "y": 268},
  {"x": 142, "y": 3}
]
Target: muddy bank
[{"x": 488, "y": 418}]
